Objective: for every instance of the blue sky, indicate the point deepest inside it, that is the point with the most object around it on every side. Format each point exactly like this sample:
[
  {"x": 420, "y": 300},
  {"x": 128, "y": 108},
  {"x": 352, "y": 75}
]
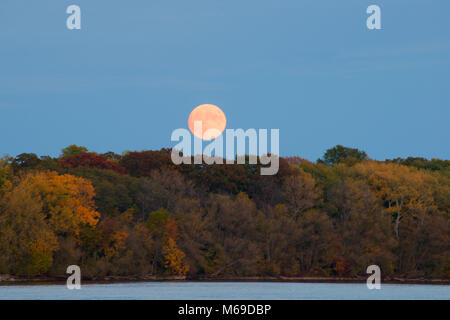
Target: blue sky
[{"x": 311, "y": 68}]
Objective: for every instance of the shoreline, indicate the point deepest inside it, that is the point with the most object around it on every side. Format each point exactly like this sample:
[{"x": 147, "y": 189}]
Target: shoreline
[{"x": 6, "y": 280}]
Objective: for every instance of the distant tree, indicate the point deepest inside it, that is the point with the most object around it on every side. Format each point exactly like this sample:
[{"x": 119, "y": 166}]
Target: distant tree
[
  {"x": 174, "y": 259},
  {"x": 340, "y": 153},
  {"x": 162, "y": 189},
  {"x": 235, "y": 249},
  {"x": 409, "y": 196},
  {"x": 111, "y": 155},
  {"x": 26, "y": 160},
  {"x": 313, "y": 241},
  {"x": 194, "y": 233},
  {"x": 91, "y": 160},
  {"x": 361, "y": 226},
  {"x": 6, "y": 173},
  {"x": 67, "y": 201},
  {"x": 37, "y": 209},
  {"x": 73, "y": 150},
  {"x": 156, "y": 224},
  {"x": 30, "y": 161},
  {"x": 295, "y": 160},
  {"x": 331, "y": 217},
  {"x": 157, "y": 220},
  {"x": 403, "y": 190},
  {"x": 299, "y": 192},
  {"x": 422, "y": 163},
  {"x": 141, "y": 164},
  {"x": 114, "y": 193},
  {"x": 114, "y": 238},
  {"x": 27, "y": 242}
]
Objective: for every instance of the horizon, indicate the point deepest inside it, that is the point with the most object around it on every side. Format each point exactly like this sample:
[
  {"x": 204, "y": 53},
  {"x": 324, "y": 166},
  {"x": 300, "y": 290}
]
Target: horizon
[{"x": 125, "y": 152}]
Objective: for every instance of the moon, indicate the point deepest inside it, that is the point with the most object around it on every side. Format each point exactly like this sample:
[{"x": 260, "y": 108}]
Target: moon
[{"x": 213, "y": 121}]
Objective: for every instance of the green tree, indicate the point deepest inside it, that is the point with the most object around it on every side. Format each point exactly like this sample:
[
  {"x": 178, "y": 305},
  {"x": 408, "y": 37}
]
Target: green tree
[
  {"x": 26, "y": 160},
  {"x": 73, "y": 150},
  {"x": 340, "y": 153}
]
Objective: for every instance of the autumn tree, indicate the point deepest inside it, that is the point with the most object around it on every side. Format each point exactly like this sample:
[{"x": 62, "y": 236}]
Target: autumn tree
[
  {"x": 73, "y": 150},
  {"x": 26, "y": 161},
  {"x": 174, "y": 258},
  {"x": 278, "y": 231},
  {"x": 299, "y": 192},
  {"x": 27, "y": 241},
  {"x": 195, "y": 229},
  {"x": 91, "y": 160},
  {"x": 6, "y": 174},
  {"x": 141, "y": 164},
  {"x": 67, "y": 200},
  {"x": 363, "y": 229},
  {"x": 314, "y": 242},
  {"x": 114, "y": 193},
  {"x": 235, "y": 250},
  {"x": 162, "y": 189},
  {"x": 403, "y": 190},
  {"x": 330, "y": 218},
  {"x": 156, "y": 222},
  {"x": 407, "y": 195}
]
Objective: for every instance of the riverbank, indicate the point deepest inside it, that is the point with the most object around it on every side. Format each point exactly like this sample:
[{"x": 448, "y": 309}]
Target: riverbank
[{"x": 12, "y": 280}]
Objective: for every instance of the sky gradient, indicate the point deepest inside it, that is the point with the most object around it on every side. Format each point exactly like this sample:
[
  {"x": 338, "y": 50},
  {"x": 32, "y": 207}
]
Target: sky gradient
[{"x": 310, "y": 68}]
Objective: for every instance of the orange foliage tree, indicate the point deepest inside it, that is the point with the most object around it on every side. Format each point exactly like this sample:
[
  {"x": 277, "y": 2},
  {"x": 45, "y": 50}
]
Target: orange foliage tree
[
  {"x": 37, "y": 209},
  {"x": 173, "y": 256},
  {"x": 68, "y": 201}
]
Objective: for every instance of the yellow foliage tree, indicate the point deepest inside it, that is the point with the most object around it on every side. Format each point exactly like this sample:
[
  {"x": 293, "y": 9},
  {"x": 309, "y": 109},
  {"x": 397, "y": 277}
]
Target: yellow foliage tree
[
  {"x": 116, "y": 242},
  {"x": 34, "y": 211},
  {"x": 27, "y": 243},
  {"x": 174, "y": 259},
  {"x": 405, "y": 190},
  {"x": 67, "y": 201},
  {"x": 173, "y": 256}
]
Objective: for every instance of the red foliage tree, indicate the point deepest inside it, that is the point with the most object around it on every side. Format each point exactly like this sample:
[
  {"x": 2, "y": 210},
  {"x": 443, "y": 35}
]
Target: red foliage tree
[
  {"x": 91, "y": 160},
  {"x": 141, "y": 164}
]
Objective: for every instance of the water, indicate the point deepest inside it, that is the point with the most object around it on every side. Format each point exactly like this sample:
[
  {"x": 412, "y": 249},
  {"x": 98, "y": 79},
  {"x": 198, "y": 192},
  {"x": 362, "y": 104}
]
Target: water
[{"x": 227, "y": 291}]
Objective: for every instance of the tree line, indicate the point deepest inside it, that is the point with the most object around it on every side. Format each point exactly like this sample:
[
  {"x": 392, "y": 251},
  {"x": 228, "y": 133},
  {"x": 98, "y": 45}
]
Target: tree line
[{"x": 138, "y": 214}]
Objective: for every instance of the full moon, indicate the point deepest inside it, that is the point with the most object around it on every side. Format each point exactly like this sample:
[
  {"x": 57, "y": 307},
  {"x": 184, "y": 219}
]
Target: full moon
[{"x": 213, "y": 121}]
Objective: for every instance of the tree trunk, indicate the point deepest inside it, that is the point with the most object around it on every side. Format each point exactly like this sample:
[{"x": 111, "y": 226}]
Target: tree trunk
[{"x": 397, "y": 222}]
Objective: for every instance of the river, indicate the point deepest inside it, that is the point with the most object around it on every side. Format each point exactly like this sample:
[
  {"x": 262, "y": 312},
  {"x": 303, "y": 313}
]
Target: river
[{"x": 226, "y": 290}]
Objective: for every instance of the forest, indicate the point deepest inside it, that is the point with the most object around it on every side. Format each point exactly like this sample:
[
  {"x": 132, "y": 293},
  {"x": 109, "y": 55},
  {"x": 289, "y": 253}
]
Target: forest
[{"x": 137, "y": 214}]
